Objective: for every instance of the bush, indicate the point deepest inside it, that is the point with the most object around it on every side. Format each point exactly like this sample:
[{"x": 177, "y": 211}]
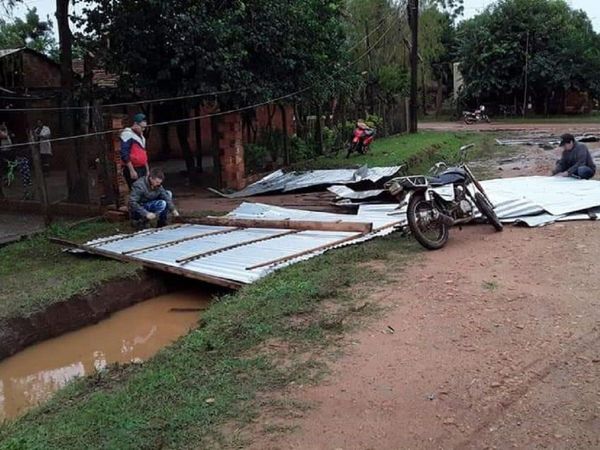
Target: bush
[
  {"x": 300, "y": 150},
  {"x": 255, "y": 156}
]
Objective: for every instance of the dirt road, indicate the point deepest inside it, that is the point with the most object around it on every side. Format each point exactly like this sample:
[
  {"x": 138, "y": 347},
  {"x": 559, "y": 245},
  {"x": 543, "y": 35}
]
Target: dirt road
[
  {"x": 495, "y": 344},
  {"x": 548, "y": 127}
]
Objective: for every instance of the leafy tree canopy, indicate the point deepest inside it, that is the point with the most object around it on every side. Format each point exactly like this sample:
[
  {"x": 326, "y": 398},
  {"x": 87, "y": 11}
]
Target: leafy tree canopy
[
  {"x": 267, "y": 47},
  {"x": 29, "y": 32},
  {"x": 563, "y": 49}
]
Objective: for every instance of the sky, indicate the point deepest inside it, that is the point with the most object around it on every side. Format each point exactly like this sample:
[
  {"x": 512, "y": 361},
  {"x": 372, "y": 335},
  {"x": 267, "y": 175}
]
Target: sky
[
  {"x": 472, "y": 7},
  {"x": 591, "y": 7}
]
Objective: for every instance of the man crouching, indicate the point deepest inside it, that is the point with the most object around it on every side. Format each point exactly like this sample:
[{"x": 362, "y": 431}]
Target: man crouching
[
  {"x": 575, "y": 161},
  {"x": 149, "y": 200}
]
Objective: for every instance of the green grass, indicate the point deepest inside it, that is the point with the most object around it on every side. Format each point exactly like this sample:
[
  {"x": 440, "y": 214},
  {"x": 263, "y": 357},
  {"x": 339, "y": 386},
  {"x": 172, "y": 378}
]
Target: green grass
[
  {"x": 489, "y": 285},
  {"x": 241, "y": 348},
  {"x": 276, "y": 332},
  {"x": 417, "y": 151},
  {"x": 593, "y": 118},
  {"x": 35, "y": 273}
]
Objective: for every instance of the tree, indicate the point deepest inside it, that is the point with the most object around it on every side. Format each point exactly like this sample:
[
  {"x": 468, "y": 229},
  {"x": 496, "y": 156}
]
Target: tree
[
  {"x": 263, "y": 49},
  {"x": 558, "y": 42},
  {"x": 29, "y": 32}
]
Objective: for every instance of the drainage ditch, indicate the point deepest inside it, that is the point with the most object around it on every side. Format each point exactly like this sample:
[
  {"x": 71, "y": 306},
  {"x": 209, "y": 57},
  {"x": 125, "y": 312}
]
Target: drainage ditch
[{"x": 135, "y": 334}]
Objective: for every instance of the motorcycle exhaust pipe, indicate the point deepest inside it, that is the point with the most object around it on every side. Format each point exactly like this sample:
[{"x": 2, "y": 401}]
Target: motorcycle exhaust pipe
[{"x": 446, "y": 220}]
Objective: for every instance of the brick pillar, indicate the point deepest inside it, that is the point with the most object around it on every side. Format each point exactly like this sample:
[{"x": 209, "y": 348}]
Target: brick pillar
[
  {"x": 231, "y": 152},
  {"x": 118, "y": 123}
]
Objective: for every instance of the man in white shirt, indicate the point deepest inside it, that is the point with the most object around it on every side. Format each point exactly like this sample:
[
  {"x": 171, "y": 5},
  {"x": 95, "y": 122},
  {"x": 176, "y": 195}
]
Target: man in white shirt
[{"x": 42, "y": 133}]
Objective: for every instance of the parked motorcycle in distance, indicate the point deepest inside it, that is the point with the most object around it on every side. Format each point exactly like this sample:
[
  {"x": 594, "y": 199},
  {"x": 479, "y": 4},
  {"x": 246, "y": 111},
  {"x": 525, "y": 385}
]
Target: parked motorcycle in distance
[
  {"x": 479, "y": 115},
  {"x": 446, "y": 197},
  {"x": 361, "y": 140}
]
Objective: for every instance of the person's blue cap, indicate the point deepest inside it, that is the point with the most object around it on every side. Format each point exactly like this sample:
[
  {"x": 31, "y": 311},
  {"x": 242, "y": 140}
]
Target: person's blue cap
[{"x": 139, "y": 118}]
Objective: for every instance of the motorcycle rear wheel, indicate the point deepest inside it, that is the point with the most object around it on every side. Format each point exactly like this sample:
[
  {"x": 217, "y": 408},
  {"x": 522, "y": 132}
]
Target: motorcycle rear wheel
[
  {"x": 432, "y": 235},
  {"x": 469, "y": 121},
  {"x": 488, "y": 211},
  {"x": 353, "y": 147}
]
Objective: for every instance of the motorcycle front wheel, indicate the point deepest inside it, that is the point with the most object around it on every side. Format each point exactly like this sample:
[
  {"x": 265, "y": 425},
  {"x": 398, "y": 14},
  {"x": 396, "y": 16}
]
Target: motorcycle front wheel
[
  {"x": 469, "y": 120},
  {"x": 430, "y": 233},
  {"x": 488, "y": 211}
]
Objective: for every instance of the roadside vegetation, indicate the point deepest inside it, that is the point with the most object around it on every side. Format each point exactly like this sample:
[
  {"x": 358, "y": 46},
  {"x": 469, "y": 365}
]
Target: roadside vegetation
[
  {"x": 265, "y": 337},
  {"x": 416, "y": 151},
  {"x": 35, "y": 273},
  {"x": 268, "y": 336}
]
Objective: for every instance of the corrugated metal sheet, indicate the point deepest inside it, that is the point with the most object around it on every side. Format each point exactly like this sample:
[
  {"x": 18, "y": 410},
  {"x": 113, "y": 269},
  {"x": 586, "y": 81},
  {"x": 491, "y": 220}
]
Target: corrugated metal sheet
[
  {"x": 346, "y": 193},
  {"x": 234, "y": 264},
  {"x": 555, "y": 195},
  {"x": 293, "y": 181}
]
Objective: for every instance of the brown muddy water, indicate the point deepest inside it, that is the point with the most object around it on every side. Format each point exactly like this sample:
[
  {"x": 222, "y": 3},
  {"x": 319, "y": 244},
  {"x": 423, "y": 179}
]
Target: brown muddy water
[{"x": 135, "y": 334}]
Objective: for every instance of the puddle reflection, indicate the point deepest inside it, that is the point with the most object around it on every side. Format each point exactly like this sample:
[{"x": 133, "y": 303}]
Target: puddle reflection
[{"x": 135, "y": 334}]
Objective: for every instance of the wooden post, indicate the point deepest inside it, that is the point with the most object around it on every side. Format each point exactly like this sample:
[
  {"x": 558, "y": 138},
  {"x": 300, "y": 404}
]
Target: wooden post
[
  {"x": 413, "y": 16},
  {"x": 178, "y": 241},
  {"x": 306, "y": 252},
  {"x": 198, "y": 130},
  {"x": 286, "y": 144},
  {"x": 304, "y": 225},
  {"x": 196, "y": 256},
  {"x": 40, "y": 180}
]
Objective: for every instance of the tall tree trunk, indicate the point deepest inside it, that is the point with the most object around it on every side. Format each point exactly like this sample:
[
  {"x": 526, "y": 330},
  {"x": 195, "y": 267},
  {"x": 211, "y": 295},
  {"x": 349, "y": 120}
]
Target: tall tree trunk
[
  {"x": 300, "y": 124},
  {"x": 439, "y": 98},
  {"x": 183, "y": 132},
  {"x": 423, "y": 90},
  {"x": 284, "y": 126},
  {"x": 216, "y": 151},
  {"x": 319, "y": 131},
  {"x": 198, "y": 128},
  {"x": 76, "y": 157}
]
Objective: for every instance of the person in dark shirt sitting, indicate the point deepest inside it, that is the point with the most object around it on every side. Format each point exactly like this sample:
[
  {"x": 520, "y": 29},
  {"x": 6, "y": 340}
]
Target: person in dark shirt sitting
[
  {"x": 576, "y": 160},
  {"x": 149, "y": 200}
]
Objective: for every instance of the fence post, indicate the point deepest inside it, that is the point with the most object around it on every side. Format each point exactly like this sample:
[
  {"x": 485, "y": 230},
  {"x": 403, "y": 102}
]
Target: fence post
[{"x": 40, "y": 180}]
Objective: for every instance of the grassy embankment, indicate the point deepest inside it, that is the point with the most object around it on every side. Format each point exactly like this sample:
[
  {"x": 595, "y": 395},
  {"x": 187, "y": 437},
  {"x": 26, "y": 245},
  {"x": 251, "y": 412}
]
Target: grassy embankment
[
  {"x": 277, "y": 332},
  {"x": 35, "y": 273},
  {"x": 579, "y": 119}
]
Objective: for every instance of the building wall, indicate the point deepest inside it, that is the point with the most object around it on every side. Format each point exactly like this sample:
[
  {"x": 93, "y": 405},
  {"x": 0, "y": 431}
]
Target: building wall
[{"x": 39, "y": 72}]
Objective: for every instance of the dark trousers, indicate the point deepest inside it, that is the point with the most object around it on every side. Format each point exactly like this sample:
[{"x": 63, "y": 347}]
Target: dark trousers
[
  {"x": 158, "y": 207},
  {"x": 584, "y": 172},
  {"x": 141, "y": 171}
]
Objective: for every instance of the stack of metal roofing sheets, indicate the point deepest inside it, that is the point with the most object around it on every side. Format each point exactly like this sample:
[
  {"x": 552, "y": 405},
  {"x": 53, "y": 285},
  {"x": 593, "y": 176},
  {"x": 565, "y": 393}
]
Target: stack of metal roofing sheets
[
  {"x": 280, "y": 181},
  {"x": 233, "y": 256}
]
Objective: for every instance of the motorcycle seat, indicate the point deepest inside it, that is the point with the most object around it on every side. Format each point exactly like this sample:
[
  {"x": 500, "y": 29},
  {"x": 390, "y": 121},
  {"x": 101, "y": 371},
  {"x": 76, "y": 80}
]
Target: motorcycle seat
[{"x": 450, "y": 176}]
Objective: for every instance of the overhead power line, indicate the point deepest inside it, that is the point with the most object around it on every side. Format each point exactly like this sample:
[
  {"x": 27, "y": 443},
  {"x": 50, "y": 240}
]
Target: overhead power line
[
  {"x": 220, "y": 113},
  {"x": 115, "y": 105}
]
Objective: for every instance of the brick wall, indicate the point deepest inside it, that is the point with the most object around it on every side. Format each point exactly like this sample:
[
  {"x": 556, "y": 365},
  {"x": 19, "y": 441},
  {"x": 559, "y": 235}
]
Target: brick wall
[
  {"x": 38, "y": 72},
  {"x": 231, "y": 152}
]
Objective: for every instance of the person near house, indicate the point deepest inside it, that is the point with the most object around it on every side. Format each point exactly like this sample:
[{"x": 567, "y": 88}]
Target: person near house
[
  {"x": 576, "y": 160},
  {"x": 12, "y": 159},
  {"x": 43, "y": 134},
  {"x": 133, "y": 151},
  {"x": 149, "y": 201}
]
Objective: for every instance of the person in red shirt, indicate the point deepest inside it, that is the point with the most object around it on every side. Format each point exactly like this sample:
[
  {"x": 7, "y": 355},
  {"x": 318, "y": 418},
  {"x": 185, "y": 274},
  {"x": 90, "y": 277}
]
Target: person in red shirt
[{"x": 133, "y": 150}]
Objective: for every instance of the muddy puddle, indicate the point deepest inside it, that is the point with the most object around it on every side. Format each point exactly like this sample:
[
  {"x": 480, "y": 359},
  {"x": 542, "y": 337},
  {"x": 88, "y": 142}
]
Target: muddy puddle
[{"x": 29, "y": 378}]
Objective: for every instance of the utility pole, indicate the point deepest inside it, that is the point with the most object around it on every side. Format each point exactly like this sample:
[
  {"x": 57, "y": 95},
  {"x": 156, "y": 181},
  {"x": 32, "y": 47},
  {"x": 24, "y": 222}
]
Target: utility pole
[
  {"x": 526, "y": 76},
  {"x": 413, "y": 21}
]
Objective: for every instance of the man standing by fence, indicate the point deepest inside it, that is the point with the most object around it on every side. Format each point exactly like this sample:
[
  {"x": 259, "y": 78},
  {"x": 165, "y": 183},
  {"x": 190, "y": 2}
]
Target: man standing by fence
[
  {"x": 133, "y": 150},
  {"x": 43, "y": 134}
]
